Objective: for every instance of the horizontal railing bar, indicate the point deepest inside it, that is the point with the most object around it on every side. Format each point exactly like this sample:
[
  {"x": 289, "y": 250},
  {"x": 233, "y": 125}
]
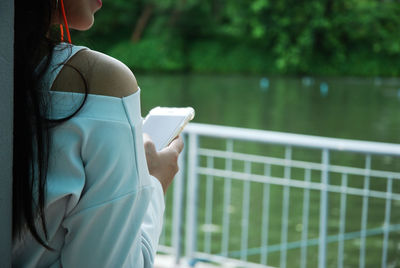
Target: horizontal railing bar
[
  {"x": 294, "y": 183},
  {"x": 300, "y": 140},
  {"x": 227, "y": 261},
  {"x": 258, "y": 158},
  {"x": 315, "y": 241},
  {"x": 296, "y": 163},
  {"x": 291, "y": 245},
  {"x": 165, "y": 249}
]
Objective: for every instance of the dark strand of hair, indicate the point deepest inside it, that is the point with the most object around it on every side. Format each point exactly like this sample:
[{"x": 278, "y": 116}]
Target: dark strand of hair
[{"x": 31, "y": 148}]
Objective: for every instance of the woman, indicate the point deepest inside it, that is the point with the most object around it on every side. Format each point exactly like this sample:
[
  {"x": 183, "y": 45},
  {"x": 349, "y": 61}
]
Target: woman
[{"x": 83, "y": 195}]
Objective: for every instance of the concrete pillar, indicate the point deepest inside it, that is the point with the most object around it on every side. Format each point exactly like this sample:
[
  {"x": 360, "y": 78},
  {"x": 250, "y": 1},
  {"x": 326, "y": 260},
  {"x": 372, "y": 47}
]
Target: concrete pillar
[{"x": 6, "y": 126}]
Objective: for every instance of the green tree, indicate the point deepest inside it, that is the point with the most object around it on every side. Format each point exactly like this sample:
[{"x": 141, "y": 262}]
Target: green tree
[{"x": 288, "y": 36}]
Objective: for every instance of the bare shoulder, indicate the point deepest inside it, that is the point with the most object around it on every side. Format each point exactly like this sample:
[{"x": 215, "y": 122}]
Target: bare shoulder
[{"x": 101, "y": 74}]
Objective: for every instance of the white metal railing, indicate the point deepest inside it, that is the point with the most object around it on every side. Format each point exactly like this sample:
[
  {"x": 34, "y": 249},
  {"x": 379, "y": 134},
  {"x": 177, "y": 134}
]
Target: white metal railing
[{"x": 258, "y": 198}]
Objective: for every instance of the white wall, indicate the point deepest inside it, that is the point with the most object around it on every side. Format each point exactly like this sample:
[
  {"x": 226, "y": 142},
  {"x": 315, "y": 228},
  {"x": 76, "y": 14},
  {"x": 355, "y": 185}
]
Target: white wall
[{"x": 6, "y": 116}]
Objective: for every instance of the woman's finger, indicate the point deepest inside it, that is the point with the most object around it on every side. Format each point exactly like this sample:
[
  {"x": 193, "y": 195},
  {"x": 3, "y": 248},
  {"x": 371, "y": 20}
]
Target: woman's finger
[{"x": 177, "y": 144}]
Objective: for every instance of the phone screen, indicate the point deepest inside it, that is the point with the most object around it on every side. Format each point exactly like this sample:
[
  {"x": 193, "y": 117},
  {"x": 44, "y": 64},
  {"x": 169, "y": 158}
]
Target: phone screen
[{"x": 162, "y": 129}]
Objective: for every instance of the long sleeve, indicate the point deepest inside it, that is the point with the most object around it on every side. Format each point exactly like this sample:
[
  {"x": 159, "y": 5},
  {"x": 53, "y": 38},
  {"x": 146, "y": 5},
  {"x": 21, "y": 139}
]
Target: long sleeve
[
  {"x": 152, "y": 224},
  {"x": 103, "y": 209}
]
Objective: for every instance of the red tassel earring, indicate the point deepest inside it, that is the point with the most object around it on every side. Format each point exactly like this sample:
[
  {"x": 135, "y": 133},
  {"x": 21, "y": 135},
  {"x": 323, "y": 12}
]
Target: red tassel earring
[{"x": 65, "y": 23}]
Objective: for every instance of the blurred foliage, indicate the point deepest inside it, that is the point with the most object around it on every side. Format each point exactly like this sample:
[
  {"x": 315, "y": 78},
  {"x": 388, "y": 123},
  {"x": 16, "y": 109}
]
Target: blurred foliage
[
  {"x": 163, "y": 56},
  {"x": 320, "y": 37}
]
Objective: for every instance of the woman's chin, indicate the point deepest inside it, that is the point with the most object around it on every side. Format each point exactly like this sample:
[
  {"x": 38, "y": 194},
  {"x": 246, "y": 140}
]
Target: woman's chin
[{"x": 84, "y": 25}]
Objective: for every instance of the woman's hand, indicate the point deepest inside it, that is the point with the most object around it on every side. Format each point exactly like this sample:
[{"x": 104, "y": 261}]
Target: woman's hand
[{"x": 163, "y": 164}]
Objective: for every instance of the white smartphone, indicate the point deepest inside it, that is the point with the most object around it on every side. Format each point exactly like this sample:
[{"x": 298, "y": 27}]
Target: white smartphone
[{"x": 163, "y": 124}]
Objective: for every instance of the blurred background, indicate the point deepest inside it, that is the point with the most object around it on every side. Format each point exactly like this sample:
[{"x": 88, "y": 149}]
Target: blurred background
[
  {"x": 317, "y": 67},
  {"x": 342, "y": 37}
]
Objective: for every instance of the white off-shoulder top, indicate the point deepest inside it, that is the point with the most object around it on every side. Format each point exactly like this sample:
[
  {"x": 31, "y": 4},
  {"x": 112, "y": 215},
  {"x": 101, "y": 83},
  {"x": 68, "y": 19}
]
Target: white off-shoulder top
[{"x": 103, "y": 209}]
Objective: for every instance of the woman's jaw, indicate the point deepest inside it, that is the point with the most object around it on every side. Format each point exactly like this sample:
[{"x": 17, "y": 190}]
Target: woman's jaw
[{"x": 79, "y": 13}]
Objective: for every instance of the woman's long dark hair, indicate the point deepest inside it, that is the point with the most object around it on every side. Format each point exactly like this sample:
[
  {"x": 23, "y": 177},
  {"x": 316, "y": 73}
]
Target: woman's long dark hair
[{"x": 31, "y": 124}]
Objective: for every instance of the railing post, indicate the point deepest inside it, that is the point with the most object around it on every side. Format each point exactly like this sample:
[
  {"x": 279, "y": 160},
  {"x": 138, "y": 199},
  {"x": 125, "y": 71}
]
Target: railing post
[
  {"x": 209, "y": 205},
  {"x": 245, "y": 214},
  {"x": 342, "y": 224},
  {"x": 323, "y": 212},
  {"x": 177, "y": 214},
  {"x": 386, "y": 223},
  {"x": 191, "y": 209},
  {"x": 285, "y": 207},
  {"x": 364, "y": 215},
  {"x": 265, "y": 216},
  {"x": 306, "y": 215},
  {"x": 227, "y": 201}
]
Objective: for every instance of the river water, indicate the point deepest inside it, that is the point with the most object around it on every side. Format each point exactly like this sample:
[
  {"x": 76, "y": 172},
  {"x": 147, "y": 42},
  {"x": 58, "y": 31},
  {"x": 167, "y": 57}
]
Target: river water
[{"x": 351, "y": 108}]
